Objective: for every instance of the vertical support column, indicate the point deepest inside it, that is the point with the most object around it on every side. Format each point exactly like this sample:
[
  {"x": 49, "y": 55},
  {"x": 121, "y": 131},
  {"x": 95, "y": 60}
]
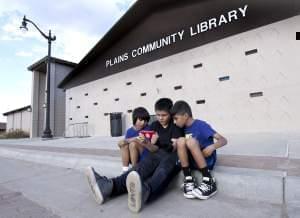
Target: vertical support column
[{"x": 35, "y": 104}]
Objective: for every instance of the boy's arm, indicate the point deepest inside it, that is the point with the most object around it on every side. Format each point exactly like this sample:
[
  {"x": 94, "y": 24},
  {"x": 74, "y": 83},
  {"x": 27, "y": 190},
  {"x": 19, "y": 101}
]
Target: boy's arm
[
  {"x": 220, "y": 142},
  {"x": 150, "y": 147},
  {"x": 129, "y": 140}
]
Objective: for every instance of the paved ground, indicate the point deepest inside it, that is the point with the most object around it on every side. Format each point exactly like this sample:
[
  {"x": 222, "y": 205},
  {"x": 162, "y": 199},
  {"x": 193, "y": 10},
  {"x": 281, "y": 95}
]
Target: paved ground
[
  {"x": 258, "y": 176},
  {"x": 35, "y": 190}
]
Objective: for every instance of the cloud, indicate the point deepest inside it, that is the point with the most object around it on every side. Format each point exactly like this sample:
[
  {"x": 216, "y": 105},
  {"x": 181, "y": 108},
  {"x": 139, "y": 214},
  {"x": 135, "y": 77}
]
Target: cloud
[
  {"x": 24, "y": 54},
  {"x": 78, "y": 26}
]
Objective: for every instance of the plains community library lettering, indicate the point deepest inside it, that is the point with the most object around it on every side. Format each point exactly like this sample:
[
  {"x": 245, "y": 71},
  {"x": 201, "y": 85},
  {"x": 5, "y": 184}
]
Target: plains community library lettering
[{"x": 191, "y": 31}]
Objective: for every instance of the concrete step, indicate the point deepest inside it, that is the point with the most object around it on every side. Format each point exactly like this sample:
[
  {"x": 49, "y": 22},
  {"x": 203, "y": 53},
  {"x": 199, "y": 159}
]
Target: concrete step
[{"x": 238, "y": 183}]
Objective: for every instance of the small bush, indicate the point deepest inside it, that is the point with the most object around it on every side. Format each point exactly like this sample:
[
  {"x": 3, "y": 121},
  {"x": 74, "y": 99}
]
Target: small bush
[{"x": 15, "y": 134}]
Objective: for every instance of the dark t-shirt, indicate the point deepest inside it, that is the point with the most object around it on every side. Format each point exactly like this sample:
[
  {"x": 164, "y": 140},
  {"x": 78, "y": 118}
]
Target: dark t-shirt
[{"x": 166, "y": 134}]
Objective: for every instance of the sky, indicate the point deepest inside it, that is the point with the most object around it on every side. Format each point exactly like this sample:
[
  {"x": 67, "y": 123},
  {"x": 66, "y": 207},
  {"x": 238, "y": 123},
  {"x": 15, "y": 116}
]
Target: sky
[{"x": 78, "y": 25}]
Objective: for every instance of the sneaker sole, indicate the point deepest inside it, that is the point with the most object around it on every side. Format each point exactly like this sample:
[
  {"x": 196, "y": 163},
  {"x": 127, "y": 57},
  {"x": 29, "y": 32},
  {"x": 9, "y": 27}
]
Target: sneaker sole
[
  {"x": 189, "y": 196},
  {"x": 134, "y": 188},
  {"x": 93, "y": 185},
  {"x": 202, "y": 197}
]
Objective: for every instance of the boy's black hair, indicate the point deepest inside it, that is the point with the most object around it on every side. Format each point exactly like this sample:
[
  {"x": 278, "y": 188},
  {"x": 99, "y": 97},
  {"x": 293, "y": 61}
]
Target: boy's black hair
[
  {"x": 181, "y": 107},
  {"x": 163, "y": 104},
  {"x": 140, "y": 113}
]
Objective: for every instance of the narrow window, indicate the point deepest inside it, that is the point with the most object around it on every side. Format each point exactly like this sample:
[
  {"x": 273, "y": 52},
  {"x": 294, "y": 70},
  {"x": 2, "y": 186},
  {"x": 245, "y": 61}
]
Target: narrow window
[
  {"x": 78, "y": 107},
  {"x": 177, "y": 87},
  {"x": 158, "y": 75},
  {"x": 198, "y": 65},
  {"x": 105, "y": 90},
  {"x": 224, "y": 78},
  {"x": 129, "y": 111},
  {"x": 143, "y": 94},
  {"x": 95, "y": 103},
  {"x": 250, "y": 52},
  {"x": 256, "y": 94},
  {"x": 128, "y": 83},
  {"x": 202, "y": 101},
  {"x": 117, "y": 99}
]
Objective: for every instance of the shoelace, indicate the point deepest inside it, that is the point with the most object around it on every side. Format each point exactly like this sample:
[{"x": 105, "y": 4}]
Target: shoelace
[
  {"x": 204, "y": 187},
  {"x": 189, "y": 186}
]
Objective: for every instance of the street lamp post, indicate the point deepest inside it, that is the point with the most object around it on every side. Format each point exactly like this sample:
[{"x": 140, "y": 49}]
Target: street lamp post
[{"x": 47, "y": 131}]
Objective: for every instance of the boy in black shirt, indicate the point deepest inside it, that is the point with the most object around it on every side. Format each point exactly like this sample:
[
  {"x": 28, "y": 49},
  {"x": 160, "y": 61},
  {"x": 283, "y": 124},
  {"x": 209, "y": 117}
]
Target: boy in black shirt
[{"x": 150, "y": 177}]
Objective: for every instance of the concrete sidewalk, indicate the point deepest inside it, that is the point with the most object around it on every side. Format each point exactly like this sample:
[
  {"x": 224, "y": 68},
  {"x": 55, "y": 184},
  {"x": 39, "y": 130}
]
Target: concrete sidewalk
[
  {"x": 47, "y": 191},
  {"x": 259, "y": 169}
]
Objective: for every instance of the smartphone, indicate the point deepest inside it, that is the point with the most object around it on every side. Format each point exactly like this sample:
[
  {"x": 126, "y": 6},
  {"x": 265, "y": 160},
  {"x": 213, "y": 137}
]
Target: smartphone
[{"x": 147, "y": 133}]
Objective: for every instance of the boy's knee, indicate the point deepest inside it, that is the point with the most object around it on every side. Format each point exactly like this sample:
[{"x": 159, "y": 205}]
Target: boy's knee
[
  {"x": 133, "y": 144},
  {"x": 122, "y": 143},
  {"x": 191, "y": 143},
  {"x": 181, "y": 143}
]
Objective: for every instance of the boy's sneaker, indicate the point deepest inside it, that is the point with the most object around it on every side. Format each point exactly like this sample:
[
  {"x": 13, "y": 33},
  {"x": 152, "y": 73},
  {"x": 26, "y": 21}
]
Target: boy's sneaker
[
  {"x": 188, "y": 187},
  {"x": 100, "y": 185},
  {"x": 206, "y": 189},
  {"x": 138, "y": 192}
]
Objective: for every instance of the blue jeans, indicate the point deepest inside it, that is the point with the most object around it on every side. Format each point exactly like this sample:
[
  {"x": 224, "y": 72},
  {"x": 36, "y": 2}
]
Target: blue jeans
[{"x": 156, "y": 170}]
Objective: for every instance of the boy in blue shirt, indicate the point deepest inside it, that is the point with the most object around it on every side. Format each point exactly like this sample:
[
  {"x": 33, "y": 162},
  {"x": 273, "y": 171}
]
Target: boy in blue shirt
[
  {"x": 197, "y": 150},
  {"x": 131, "y": 148}
]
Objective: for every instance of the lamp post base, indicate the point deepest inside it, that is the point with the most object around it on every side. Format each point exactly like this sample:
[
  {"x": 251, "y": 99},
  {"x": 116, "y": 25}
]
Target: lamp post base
[{"x": 47, "y": 134}]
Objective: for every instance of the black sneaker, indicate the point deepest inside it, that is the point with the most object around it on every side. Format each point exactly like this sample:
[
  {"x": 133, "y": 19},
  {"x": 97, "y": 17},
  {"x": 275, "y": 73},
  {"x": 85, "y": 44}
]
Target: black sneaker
[
  {"x": 206, "y": 189},
  {"x": 188, "y": 187},
  {"x": 100, "y": 185},
  {"x": 138, "y": 192}
]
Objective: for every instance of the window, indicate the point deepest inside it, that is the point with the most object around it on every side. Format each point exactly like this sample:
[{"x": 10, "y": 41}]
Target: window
[
  {"x": 78, "y": 107},
  {"x": 224, "y": 78},
  {"x": 70, "y": 98},
  {"x": 256, "y": 94},
  {"x": 177, "y": 87},
  {"x": 106, "y": 114},
  {"x": 86, "y": 94},
  {"x": 117, "y": 99},
  {"x": 143, "y": 94},
  {"x": 105, "y": 90},
  {"x": 95, "y": 103},
  {"x": 70, "y": 118},
  {"x": 250, "y": 52},
  {"x": 158, "y": 75},
  {"x": 198, "y": 65},
  {"x": 129, "y": 111},
  {"x": 86, "y": 116},
  {"x": 128, "y": 83},
  {"x": 202, "y": 101}
]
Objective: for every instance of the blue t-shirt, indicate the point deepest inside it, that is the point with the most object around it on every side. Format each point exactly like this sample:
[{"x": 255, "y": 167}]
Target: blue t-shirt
[
  {"x": 132, "y": 132},
  {"x": 203, "y": 133}
]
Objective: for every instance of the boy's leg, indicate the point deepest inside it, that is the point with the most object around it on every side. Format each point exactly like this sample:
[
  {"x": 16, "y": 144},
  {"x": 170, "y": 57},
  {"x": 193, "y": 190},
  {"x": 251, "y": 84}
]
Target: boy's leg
[
  {"x": 124, "y": 148},
  {"x": 135, "y": 149},
  {"x": 189, "y": 182},
  {"x": 141, "y": 190},
  {"x": 163, "y": 175},
  {"x": 208, "y": 186},
  {"x": 194, "y": 147},
  {"x": 145, "y": 169}
]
